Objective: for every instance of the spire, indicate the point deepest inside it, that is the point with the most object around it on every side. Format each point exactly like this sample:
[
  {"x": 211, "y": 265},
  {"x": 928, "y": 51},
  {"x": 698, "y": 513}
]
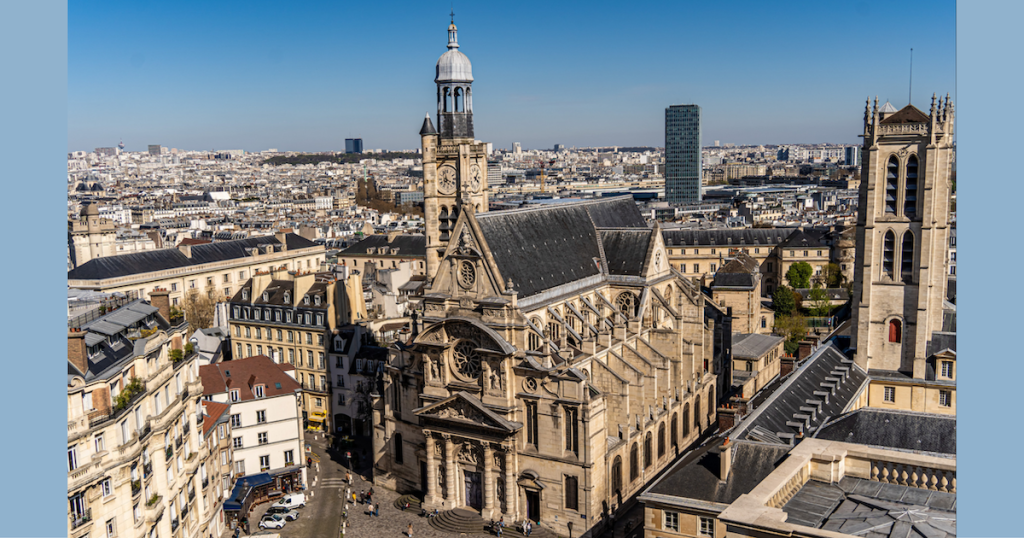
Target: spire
[
  {"x": 428, "y": 126},
  {"x": 867, "y": 110},
  {"x": 933, "y": 106},
  {"x": 453, "y": 39}
]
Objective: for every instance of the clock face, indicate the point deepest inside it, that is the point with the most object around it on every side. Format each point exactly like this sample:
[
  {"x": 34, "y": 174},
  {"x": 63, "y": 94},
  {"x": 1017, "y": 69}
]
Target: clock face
[
  {"x": 446, "y": 179},
  {"x": 474, "y": 178}
]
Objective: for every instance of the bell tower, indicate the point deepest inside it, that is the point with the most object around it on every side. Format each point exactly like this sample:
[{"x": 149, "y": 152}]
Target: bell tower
[
  {"x": 902, "y": 235},
  {"x": 454, "y": 164}
]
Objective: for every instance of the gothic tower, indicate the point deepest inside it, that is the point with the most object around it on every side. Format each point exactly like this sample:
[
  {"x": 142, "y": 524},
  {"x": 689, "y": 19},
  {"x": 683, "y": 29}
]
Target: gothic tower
[
  {"x": 902, "y": 235},
  {"x": 454, "y": 164}
]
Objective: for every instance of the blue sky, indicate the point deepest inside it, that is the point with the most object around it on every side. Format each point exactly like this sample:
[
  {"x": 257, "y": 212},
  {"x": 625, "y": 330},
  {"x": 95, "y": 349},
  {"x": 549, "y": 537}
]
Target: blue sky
[{"x": 304, "y": 76}]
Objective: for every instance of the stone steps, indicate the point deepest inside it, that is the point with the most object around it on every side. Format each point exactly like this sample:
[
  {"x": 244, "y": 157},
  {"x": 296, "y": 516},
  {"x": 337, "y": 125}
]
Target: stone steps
[
  {"x": 460, "y": 521},
  {"x": 415, "y": 504}
]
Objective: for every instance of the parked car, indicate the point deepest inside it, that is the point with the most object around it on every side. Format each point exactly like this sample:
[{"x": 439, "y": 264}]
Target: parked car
[
  {"x": 287, "y": 513},
  {"x": 272, "y": 521},
  {"x": 294, "y": 500}
]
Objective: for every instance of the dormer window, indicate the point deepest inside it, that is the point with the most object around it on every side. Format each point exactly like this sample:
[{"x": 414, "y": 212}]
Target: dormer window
[
  {"x": 383, "y": 250},
  {"x": 288, "y": 316},
  {"x": 394, "y": 251},
  {"x": 316, "y": 300},
  {"x": 277, "y": 315},
  {"x": 234, "y": 395},
  {"x": 287, "y": 297},
  {"x": 305, "y": 300},
  {"x": 371, "y": 250},
  {"x": 266, "y": 296},
  {"x": 245, "y": 295},
  {"x": 258, "y": 390},
  {"x": 238, "y": 312}
]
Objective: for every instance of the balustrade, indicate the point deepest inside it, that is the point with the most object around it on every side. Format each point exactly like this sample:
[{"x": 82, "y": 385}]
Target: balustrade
[{"x": 914, "y": 476}]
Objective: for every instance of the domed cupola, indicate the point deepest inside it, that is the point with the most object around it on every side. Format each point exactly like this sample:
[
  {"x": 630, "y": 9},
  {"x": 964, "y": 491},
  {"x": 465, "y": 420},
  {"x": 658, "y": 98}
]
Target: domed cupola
[{"x": 454, "y": 79}]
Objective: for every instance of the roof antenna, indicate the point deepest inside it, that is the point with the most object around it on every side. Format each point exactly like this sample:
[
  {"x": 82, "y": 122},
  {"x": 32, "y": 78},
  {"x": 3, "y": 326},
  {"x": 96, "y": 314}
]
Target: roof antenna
[{"x": 911, "y": 91}]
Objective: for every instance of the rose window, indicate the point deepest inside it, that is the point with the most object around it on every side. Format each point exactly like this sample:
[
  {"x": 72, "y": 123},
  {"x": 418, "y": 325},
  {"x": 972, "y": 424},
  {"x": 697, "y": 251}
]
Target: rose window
[
  {"x": 625, "y": 303},
  {"x": 466, "y": 360}
]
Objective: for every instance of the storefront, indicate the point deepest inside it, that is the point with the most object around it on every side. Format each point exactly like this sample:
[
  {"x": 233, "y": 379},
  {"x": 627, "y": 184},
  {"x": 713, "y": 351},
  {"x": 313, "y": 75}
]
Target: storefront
[{"x": 257, "y": 489}]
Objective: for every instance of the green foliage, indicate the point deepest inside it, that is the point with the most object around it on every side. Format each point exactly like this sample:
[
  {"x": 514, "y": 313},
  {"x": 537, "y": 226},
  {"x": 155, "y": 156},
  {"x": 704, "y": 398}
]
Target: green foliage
[
  {"x": 153, "y": 500},
  {"x": 820, "y": 303},
  {"x": 799, "y": 275},
  {"x": 336, "y": 158},
  {"x": 793, "y": 329},
  {"x": 367, "y": 196},
  {"x": 125, "y": 396},
  {"x": 146, "y": 333},
  {"x": 189, "y": 348},
  {"x": 783, "y": 299},
  {"x": 175, "y": 355},
  {"x": 834, "y": 277}
]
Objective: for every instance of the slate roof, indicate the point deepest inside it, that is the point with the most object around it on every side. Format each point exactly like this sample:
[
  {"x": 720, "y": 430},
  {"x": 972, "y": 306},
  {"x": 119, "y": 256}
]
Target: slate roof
[
  {"x": 907, "y": 114},
  {"x": 428, "y": 127},
  {"x": 833, "y": 294},
  {"x": 114, "y": 353},
  {"x": 776, "y": 415},
  {"x": 738, "y": 273},
  {"x": 696, "y": 476},
  {"x": 904, "y": 430},
  {"x": 802, "y": 239},
  {"x": 861, "y": 507},
  {"x": 407, "y": 245},
  {"x": 541, "y": 248},
  {"x": 244, "y": 374},
  {"x": 752, "y": 346},
  {"x": 951, "y": 289},
  {"x": 159, "y": 260},
  {"x": 941, "y": 341},
  {"x": 755, "y": 237},
  {"x": 626, "y": 250}
]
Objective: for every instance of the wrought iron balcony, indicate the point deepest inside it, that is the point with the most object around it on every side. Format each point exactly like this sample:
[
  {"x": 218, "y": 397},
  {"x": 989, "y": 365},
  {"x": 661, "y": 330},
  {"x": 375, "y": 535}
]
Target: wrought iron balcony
[{"x": 77, "y": 520}]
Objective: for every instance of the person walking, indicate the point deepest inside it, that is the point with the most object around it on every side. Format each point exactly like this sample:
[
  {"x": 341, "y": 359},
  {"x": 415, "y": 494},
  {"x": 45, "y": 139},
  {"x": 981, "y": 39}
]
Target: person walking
[
  {"x": 529, "y": 527},
  {"x": 348, "y": 477},
  {"x": 408, "y": 532},
  {"x": 376, "y": 509},
  {"x": 309, "y": 462}
]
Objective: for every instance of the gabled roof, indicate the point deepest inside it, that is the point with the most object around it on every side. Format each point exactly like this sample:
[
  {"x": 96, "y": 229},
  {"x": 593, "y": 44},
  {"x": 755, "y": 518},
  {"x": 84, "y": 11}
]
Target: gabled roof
[
  {"x": 738, "y": 273},
  {"x": 214, "y": 411},
  {"x": 541, "y": 248},
  {"x": 747, "y": 237},
  {"x": 467, "y": 409},
  {"x": 244, "y": 374},
  {"x": 907, "y": 114}
]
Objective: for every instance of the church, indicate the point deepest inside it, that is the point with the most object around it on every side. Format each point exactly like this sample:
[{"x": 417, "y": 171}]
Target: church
[{"x": 560, "y": 362}]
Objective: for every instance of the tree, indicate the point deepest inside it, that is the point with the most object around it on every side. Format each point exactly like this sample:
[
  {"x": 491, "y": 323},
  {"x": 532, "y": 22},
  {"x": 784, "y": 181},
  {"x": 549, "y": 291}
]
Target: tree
[
  {"x": 820, "y": 303},
  {"x": 793, "y": 329},
  {"x": 199, "y": 308},
  {"x": 783, "y": 300},
  {"x": 834, "y": 277},
  {"x": 799, "y": 275}
]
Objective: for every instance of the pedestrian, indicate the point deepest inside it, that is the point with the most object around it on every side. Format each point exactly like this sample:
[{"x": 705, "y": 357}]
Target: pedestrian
[
  {"x": 529, "y": 527},
  {"x": 376, "y": 509},
  {"x": 409, "y": 531},
  {"x": 362, "y": 496},
  {"x": 348, "y": 477},
  {"x": 309, "y": 462}
]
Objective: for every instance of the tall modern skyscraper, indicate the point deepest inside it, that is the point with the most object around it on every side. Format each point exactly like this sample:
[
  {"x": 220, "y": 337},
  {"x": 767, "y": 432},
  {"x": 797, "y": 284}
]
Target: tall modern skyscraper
[
  {"x": 682, "y": 154},
  {"x": 353, "y": 145}
]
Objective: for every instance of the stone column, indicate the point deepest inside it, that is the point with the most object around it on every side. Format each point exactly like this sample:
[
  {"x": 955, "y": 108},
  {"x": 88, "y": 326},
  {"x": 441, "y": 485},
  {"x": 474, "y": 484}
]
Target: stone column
[
  {"x": 488, "y": 480},
  {"x": 431, "y": 498},
  {"x": 449, "y": 466},
  {"x": 510, "y": 483}
]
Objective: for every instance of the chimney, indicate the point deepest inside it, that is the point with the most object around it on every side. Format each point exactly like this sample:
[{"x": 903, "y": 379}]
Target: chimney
[
  {"x": 282, "y": 238},
  {"x": 160, "y": 299},
  {"x": 727, "y": 417},
  {"x": 77, "y": 352},
  {"x": 786, "y": 366},
  {"x": 805, "y": 350},
  {"x": 725, "y": 459},
  {"x": 186, "y": 250}
]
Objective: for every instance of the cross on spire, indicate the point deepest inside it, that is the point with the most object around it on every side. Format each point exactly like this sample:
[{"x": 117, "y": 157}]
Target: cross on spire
[{"x": 453, "y": 13}]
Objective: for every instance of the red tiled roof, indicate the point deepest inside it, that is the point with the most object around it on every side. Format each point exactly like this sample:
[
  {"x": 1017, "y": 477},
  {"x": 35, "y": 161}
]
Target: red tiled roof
[
  {"x": 213, "y": 413},
  {"x": 245, "y": 374}
]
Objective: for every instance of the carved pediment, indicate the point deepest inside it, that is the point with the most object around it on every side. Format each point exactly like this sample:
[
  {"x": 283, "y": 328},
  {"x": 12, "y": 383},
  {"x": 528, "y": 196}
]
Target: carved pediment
[
  {"x": 465, "y": 409},
  {"x": 457, "y": 328}
]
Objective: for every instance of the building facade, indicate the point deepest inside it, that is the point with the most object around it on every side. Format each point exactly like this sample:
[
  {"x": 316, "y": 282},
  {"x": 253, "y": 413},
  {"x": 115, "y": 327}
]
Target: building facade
[
  {"x": 903, "y": 228},
  {"x": 683, "y": 168},
  {"x": 289, "y": 317},
  {"x": 137, "y": 450},
  {"x": 91, "y": 236}
]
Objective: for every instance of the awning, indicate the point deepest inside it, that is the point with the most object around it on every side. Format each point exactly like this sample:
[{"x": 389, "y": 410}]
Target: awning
[{"x": 317, "y": 417}]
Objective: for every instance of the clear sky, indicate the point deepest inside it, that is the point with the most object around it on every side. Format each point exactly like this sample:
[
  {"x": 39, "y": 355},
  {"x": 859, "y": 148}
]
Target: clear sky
[{"x": 304, "y": 76}]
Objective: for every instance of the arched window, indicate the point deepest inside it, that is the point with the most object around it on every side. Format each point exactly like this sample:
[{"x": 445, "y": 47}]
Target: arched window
[
  {"x": 675, "y": 430},
  {"x": 907, "y": 258},
  {"x": 458, "y": 101},
  {"x": 634, "y": 464},
  {"x": 617, "y": 477},
  {"x": 711, "y": 401},
  {"x": 661, "y": 440},
  {"x": 648, "y": 450},
  {"x": 399, "y": 457},
  {"x": 696, "y": 414},
  {"x": 910, "y": 192},
  {"x": 892, "y": 184},
  {"x": 895, "y": 331},
  {"x": 888, "y": 254},
  {"x": 686, "y": 420}
]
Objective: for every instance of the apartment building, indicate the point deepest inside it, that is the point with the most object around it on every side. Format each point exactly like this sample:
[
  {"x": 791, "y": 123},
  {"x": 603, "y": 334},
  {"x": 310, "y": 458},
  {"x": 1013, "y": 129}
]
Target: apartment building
[
  {"x": 265, "y": 424},
  {"x": 136, "y": 449}
]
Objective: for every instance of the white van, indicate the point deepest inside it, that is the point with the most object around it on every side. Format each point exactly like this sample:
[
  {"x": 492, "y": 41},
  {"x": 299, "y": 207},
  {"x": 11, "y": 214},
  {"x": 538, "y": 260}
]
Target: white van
[{"x": 292, "y": 500}]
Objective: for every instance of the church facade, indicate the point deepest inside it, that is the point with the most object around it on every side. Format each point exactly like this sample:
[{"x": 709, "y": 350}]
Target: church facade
[{"x": 560, "y": 361}]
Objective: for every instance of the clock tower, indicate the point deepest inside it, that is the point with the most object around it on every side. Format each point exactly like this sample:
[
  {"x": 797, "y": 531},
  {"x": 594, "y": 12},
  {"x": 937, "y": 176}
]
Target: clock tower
[{"x": 454, "y": 164}]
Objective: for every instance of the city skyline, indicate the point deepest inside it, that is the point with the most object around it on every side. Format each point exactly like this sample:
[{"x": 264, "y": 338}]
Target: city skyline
[{"x": 302, "y": 80}]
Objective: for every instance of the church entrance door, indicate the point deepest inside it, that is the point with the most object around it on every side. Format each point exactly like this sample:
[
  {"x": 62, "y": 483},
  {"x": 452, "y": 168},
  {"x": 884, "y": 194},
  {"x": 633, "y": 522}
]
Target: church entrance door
[{"x": 474, "y": 493}]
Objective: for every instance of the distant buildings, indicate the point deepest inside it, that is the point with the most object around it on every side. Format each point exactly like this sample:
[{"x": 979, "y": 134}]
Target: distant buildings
[
  {"x": 353, "y": 145},
  {"x": 852, "y": 156},
  {"x": 154, "y": 149},
  {"x": 683, "y": 167}
]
